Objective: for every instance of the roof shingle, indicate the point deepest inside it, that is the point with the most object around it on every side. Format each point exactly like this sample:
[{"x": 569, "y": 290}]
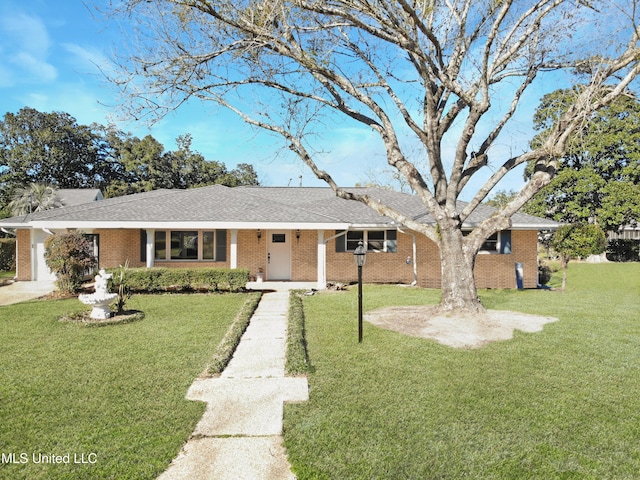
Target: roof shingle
[{"x": 259, "y": 205}]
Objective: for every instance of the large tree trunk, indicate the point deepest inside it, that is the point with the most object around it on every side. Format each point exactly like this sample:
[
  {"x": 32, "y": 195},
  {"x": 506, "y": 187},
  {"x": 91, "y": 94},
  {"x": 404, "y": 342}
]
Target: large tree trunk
[{"x": 458, "y": 285}]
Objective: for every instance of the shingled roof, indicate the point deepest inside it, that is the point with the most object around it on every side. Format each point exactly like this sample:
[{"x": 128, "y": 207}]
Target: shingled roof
[
  {"x": 78, "y": 196},
  {"x": 217, "y": 206}
]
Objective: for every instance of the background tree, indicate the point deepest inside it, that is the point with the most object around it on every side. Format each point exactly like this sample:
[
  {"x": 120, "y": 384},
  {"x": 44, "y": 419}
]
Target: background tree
[
  {"x": 47, "y": 148},
  {"x": 243, "y": 174},
  {"x": 577, "y": 241},
  {"x": 147, "y": 167},
  {"x": 598, "y": 178},
  {"x": 421, "y": 72},
  {"x": 34, "y": 198},
  {"x": 53, "y": 149},
  {"x": 501, "y": 198},
  {"x": 140, "y": 159},
  {"x": 185, "y": 168}
]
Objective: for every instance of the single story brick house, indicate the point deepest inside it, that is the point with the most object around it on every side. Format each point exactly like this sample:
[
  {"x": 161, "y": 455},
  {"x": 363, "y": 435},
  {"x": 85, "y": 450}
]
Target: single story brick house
[{"x": 279, "y": 233}]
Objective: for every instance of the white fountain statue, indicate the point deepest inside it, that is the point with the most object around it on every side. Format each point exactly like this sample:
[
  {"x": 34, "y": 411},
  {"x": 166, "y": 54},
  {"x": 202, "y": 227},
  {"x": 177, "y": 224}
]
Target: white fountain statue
[{"x": 101, "y": 299}]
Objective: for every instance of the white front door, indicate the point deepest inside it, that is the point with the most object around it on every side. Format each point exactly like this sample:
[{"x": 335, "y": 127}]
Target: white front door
[{"x": 279, "y": 255}]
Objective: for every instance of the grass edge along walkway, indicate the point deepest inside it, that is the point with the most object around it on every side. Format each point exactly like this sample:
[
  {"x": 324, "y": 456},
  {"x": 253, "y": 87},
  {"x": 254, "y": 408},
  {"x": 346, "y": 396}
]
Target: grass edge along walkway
[
  {"x": 234, "y": 333},
  {"x": 297, "y": 358}
]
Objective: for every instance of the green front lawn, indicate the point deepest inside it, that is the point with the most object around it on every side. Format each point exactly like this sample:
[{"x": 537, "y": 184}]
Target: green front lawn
[
  {"x": 562, "y": 403},
  {"x": 113, "y": 396}
]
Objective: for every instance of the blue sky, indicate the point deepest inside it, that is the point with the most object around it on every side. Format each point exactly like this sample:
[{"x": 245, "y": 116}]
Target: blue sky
[{"x": 48, "y": 57}]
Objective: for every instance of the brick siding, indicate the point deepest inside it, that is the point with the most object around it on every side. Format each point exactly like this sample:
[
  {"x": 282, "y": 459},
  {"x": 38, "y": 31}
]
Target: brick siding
[
  {"x": 23, "y": 255},
  {"x": 491, "y": 271},
  {"x": 119, "y": 245},
  {"x": 498, "y": 271},
  {"x": 252, "y": 252},
  {"x": 304, "y": 256},
  {"x": 380, "y": 267}
]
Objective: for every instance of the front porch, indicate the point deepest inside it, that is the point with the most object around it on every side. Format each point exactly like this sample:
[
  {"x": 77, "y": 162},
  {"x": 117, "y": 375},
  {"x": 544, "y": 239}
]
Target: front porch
[{"x": 280, "y": 286}]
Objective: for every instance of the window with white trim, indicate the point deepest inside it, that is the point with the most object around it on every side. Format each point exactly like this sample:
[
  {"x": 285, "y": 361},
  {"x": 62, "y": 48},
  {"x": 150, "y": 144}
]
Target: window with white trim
[
  {"x": 499, "y": 242},
  {"x": 193, "y": 245},
  {"x": 373, "y": 240}
]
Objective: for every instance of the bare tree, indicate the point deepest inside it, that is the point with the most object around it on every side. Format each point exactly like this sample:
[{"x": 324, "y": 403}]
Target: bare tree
[{"x": 445, "y": 72}]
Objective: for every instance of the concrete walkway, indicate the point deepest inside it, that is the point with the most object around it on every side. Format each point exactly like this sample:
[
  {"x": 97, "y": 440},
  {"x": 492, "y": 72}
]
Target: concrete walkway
[
  {"x": 240, "y": 433},
  {"x": 23, "y": 291}
]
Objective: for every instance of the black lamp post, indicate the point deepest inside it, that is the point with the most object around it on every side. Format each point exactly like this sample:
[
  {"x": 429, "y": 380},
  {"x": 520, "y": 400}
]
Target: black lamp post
[{"x": 360, "y": 256}]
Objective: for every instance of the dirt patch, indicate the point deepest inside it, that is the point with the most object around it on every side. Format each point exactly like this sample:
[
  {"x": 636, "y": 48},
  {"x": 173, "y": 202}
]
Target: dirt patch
[{"x": 458, "y": 330}]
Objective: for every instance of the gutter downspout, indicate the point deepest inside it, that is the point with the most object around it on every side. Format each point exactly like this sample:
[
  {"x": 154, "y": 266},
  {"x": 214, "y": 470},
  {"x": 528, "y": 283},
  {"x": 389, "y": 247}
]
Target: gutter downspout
[
  {"x": 414, "y": 252},
  {"x": 8, "y": 232}
]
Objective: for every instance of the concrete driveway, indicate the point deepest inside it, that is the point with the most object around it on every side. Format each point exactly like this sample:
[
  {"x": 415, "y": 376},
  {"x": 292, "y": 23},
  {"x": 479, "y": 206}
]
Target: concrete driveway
[{"x": 22, "y": 291}]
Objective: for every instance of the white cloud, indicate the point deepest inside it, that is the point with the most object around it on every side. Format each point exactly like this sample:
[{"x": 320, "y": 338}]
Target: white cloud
[
  {"x": 89, "y": 60},
  {"x": 24, "y": 44},
  {"x": 41, "y": 70},
  {"x": 28, "y": 31}
]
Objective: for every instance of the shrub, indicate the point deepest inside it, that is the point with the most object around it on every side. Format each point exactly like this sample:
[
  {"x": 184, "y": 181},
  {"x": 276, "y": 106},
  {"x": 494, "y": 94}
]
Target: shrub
[
  {"x": 7, "y": 254},
  {"x": 143, "y": 280},
  {"x": 623, "y": 250},
  {"x": 577, "y": 241},
  {"x": 207, "y": 279},
  {"x": 297, "y": 357},
  {"x": 124, "y": 292},
  {"x": 160, "y": 279},
  {"x": 544, "y": 273},
  {"x": 69, "y": 256},
  {"x": 231, "y": 339},
  {"x": 174, "y": 279}
]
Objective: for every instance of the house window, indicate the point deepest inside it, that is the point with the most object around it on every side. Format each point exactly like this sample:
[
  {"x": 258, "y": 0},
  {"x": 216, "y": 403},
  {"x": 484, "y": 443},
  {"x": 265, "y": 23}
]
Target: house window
[
  {"x": 184, "y": 245},
  {"x": 353, "y": 239},
  {"x": 208, "y": 247},
  {"x": 490, "y": 244},
  {"x": 373, "y": 240},
  {"x": 94, "y": 241},
  {"x": 391, "y": 241},
  {"x": 499, "y": 242},
  {"x": 191, "y": 245},
  {"x": 160, "y": 245}
]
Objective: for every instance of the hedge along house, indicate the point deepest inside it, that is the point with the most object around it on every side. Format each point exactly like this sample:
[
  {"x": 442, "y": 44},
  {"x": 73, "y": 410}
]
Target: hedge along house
[{"x": 277, "y": 233}]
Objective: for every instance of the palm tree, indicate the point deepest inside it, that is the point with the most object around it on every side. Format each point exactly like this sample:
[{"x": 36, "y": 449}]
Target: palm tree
[{"x": 34, "y": 198}]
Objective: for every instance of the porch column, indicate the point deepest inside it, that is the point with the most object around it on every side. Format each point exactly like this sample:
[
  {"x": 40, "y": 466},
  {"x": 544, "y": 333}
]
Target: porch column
[
  {"x": 233, "y": 261},
  {"x": 322, "y": 261},
  {"x": 151, "y": 251}
]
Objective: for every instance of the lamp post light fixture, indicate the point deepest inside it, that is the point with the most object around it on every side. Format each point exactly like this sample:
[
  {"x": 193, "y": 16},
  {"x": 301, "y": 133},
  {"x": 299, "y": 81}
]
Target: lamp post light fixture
[{"x": 360, "y": 256}]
